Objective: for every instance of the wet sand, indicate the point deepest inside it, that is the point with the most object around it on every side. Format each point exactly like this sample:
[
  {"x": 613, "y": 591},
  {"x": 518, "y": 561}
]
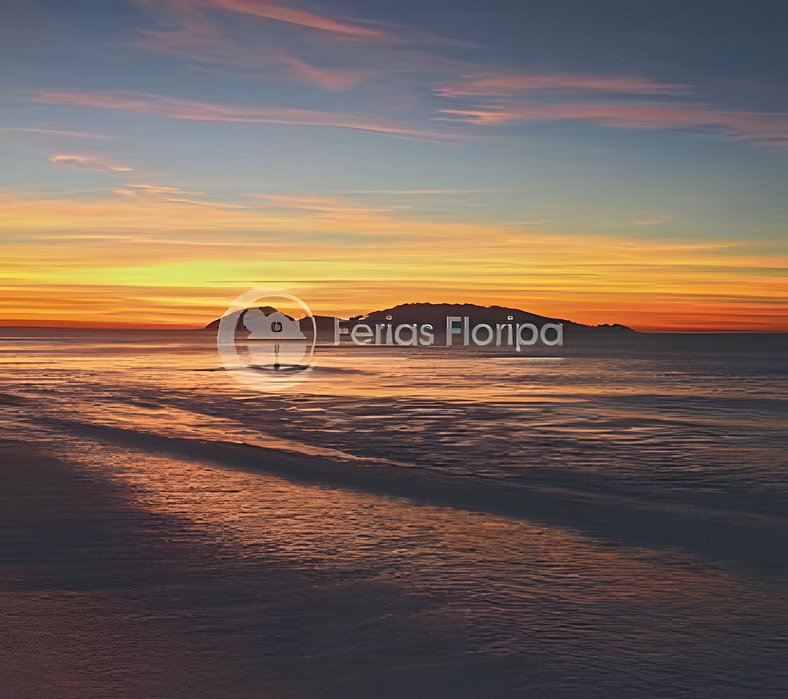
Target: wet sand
[
  {"x": 719, "y": 530},
  {"x": 101, "y": 599}
]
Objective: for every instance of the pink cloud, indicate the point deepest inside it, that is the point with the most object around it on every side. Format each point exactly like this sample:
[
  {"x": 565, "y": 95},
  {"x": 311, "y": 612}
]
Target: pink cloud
[
  {"x": 51, "y": 132},
  {"x": 328, "y": 79},
  {"x": 88, "y": 162},
  {"x": 176, "y": 195},
  {"x": 770, "y": 130},
  {"x": 502, "y": 99},
  {"x": 151, "y": 190},
  {"x": 198, "y": 38},
  {"x": 193, "y": 110},
  {"x": 337, "y": 55},
  {"x": 501, "y": 85},
  {"x": 301, "y": 18}
]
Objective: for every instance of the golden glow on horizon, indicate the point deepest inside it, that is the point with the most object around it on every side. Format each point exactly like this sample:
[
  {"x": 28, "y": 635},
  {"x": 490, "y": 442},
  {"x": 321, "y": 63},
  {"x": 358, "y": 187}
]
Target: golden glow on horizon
[
  {"x": 367, "y": 157},
  {"x": 151, "y": 255}
]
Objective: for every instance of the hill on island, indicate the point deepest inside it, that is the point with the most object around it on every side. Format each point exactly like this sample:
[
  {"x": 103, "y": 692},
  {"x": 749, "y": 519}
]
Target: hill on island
[{"x": 436, "y": 314}]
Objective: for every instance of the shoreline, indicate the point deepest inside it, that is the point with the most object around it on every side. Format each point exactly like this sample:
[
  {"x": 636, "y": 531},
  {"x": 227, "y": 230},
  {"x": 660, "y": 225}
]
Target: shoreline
[
  {"x": 748, "y": 543},
  {"x": 102, "y": 599}
]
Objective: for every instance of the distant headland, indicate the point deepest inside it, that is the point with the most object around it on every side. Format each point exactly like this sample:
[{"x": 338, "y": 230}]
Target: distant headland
[{"x": 436, "y": 315}]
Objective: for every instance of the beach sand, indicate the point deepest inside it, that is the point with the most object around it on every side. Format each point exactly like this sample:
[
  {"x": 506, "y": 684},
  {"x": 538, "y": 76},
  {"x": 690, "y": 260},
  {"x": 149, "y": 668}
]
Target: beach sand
[
  {"x": 102, "y": 599},
  {"x": 105, "y": 598}
]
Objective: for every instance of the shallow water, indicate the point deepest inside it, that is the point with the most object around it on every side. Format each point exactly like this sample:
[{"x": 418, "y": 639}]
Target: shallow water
[{"x": 605, "y": 519}]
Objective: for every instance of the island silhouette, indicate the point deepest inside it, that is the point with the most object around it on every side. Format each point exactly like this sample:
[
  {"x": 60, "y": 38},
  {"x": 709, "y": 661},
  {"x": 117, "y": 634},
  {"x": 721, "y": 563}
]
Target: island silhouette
[{"x": 435, "y": 314}]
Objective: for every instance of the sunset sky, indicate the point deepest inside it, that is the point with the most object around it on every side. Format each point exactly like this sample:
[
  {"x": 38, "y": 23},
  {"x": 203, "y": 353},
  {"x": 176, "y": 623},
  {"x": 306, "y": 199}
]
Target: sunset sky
[{"x": 600, "y": 161}]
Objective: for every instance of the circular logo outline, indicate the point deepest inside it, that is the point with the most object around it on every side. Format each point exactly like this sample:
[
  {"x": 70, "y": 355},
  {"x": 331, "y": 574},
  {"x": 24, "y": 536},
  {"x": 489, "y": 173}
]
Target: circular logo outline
[{"x": 232, "y": 360}]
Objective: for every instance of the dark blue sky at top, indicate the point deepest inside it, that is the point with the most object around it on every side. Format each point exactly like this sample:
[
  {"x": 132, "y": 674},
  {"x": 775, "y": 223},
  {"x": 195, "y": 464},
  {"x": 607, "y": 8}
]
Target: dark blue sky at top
[
  {"x": 724, "y": 43},
  {"x": 731, "y": 56}
]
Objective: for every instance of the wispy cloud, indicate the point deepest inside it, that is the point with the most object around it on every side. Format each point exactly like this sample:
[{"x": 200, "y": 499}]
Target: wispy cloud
[
  {"x": 65, "y": 133},
  {"x": 194, "y": 35},
  {"x": 302, "y": 18},
  {"x": 764, "y": 129},
  {"x": 653, "y": 220},
  {"x": 634, "y": 102},
  {"x": 174, "y": 195},
  {"x": 332, "y": 207},
  {"x": 311, "y": 74},
  {"x": 512, "y": 84},
  {"x": 194, "y": 110},
  {"x": 427, "y": 192},
  {"x": 88, "y": 162},
  {"x": 272, "y": 41},
  {"x": 152, "y": 190},
  {"x": 313, "y": 202}
]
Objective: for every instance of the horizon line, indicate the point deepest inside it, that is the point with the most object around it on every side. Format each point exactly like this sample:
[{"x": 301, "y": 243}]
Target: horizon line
[{"x": 180, "y": 327}]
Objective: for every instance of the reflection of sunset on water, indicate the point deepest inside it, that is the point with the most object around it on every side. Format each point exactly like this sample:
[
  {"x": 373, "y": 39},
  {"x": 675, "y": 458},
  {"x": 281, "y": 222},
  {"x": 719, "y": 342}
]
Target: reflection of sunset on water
[
  {"x": 501, "y": 580},
  {"x": 577, "y": 511}
]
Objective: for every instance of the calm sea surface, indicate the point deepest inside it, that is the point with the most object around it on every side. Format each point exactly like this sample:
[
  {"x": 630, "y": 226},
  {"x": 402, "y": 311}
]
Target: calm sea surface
[{"x": 606, "y": 519}]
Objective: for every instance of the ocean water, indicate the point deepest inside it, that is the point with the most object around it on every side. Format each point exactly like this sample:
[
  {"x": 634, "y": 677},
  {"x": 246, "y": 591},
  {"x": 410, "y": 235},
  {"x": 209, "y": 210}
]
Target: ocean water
[{"x": 602, "y": 519}]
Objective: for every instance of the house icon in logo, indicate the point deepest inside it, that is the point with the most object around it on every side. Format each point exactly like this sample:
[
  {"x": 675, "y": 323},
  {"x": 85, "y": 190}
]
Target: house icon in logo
[{"x": 276, "y": 326}]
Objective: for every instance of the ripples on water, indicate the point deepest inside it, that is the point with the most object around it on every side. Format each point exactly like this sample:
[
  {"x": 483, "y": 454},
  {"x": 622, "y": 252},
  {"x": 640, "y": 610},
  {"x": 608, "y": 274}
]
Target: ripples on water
[{"x": 547, "y": 603}]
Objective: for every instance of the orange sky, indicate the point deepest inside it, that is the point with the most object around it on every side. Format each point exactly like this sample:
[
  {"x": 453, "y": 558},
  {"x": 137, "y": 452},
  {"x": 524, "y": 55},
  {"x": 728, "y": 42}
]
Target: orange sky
[
  {"x": 161, "y": 158},
  {"x": 139, "y": 256}
]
